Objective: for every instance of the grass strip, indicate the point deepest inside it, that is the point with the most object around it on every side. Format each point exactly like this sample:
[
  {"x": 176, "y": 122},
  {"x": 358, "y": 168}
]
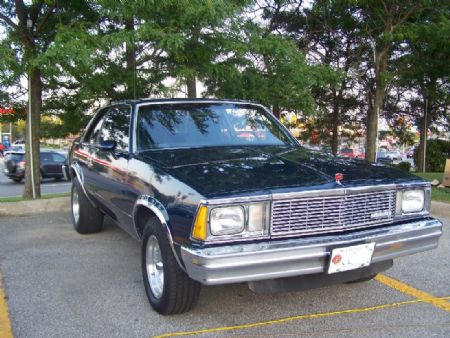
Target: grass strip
[
  {"x": 19, "y": 198},
  {"x": 437, "y": 194}
]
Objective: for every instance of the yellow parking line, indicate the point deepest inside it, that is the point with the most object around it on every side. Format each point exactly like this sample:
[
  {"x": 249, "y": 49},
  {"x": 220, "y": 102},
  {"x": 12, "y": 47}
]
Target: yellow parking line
[
  {"x": 294, "y": 318},
  {"x": 409, "y": 290},
  {"x": 5, "y": 324}
]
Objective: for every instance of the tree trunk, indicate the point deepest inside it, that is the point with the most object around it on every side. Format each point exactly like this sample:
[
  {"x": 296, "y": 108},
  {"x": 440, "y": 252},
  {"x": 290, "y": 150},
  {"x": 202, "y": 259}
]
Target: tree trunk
[
  {"x": 191, "y": 83},
  {"x": 381, "y": 60},
  {"x": 33, "y": 117},
  {"x": 423, "y": 133},
  {"x": 335, "y": 124},
  {"x": 277, "y": 111},
  {"x": 130, "y": 55}
]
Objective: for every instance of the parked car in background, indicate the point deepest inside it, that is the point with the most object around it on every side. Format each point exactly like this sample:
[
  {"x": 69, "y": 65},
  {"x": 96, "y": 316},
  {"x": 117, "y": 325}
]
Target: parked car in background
[
  {"x": 396, "y": 156},
  {"x": 212, "y": 206},
  {"x": 51, "y": 164},
  {"x": 347, "y": 152},
  {"x": 14, "y": 149},
  {"x": 384, "y": 158}
]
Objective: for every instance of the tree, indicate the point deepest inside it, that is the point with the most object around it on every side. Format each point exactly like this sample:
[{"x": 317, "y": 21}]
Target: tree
[
  {"x": 328, "y": 34},
  {"x": 423, "y": 70},
  {"x": 260, "y": 63},
  {"x": 379, "y": 22},
  {"x": 30, "y": 31}
]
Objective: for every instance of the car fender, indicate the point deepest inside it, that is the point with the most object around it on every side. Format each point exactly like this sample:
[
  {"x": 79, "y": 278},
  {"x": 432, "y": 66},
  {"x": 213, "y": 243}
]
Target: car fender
[
  {"x": 158, "y": 209},
  {"x": 77, "y": 174}
]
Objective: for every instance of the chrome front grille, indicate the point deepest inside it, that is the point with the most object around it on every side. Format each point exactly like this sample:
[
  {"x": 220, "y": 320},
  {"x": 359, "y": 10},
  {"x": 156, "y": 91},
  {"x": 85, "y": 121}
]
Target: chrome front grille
[{"x": 317, "y": 215}]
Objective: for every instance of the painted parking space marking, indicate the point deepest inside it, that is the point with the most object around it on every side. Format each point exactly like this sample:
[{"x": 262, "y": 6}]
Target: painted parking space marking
[
  {"x": 411, "y": 291},
  {"x": 297, "y": 318},
  {"x": 5, "y": 324}
]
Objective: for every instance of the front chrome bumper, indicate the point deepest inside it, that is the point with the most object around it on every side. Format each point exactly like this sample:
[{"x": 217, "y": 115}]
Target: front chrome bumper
[{"x": 295, "y": 257}]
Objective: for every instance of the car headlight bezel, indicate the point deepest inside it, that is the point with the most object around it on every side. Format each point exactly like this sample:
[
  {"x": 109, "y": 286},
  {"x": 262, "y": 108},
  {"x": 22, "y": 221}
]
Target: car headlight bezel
[
  {"x": 206, "y": 227},
  {"x": 413, "y": 201}
]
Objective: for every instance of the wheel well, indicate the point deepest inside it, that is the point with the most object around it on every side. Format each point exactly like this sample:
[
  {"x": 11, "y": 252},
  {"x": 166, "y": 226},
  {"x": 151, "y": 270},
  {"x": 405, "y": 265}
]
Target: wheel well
[
  {"x": 73, "y": 172},
  {"x": 141, "y": 217}
]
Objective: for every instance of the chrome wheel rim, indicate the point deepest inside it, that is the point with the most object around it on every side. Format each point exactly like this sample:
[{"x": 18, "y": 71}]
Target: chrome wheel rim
[
  {"x": 75, "y": 206},
  {"x": 154, "y": 265}
]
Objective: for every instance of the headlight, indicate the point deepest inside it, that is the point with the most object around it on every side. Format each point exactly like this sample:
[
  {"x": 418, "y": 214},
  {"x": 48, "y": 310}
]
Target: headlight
[
  {"x": 409, "y": 201},
  {"x": 227, "y": 220}
]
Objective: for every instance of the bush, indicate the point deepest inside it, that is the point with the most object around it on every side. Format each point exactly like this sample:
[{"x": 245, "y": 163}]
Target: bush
[
  {"x": 437, "y": 152},
  {"x": 405, "y": 166}
]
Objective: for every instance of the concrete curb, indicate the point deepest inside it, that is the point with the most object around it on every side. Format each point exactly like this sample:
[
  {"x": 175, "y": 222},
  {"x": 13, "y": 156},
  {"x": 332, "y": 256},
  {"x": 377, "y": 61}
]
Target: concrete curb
[
  {"x": 25, "y": 208},
  {"x": 62, "y": 204}
]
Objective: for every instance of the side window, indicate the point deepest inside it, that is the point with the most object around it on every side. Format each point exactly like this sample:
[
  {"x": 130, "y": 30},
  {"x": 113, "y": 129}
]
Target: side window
[
  {"x": 58, "y": 158},
  {"x": 116, "y": 125},
  {"x": 92, "y": 134}
]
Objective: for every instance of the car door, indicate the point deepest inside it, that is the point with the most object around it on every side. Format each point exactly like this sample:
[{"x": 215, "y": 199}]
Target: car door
[
  {"x": 58, "y": 161},
  {"x": 82, "y": 155},
  {"x": 110, "y": 165},
  {"x": 47, "y": 167}
]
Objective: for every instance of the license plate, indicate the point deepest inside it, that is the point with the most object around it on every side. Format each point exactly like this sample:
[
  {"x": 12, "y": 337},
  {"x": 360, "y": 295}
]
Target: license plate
[{"x": 351, "y": 257}]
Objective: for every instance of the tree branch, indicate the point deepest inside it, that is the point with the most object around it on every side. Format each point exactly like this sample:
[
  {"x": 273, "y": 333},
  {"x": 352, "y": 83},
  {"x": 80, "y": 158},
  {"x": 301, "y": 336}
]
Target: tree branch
[
  {"x": 45, "y": 17},
  {"x": 8, "y": 21}
]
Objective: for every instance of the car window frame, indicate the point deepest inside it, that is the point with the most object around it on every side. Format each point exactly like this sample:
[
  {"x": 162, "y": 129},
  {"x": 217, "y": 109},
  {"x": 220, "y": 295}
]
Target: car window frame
[
  {"x": 105, "y": 115},
  {"x": 270, "y": 116},
  {"x": 96, "y": 120}
]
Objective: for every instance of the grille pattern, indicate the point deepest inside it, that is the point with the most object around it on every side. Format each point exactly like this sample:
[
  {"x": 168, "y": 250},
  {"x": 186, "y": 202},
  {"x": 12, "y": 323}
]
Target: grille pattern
[{"x": 317, "y": 215}]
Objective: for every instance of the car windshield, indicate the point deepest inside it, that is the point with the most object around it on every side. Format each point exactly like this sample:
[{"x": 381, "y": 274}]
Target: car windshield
[{"x": 205, "y": 125}]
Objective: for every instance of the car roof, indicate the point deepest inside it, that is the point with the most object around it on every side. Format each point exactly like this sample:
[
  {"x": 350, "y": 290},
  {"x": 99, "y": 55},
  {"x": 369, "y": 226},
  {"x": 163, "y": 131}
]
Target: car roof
[{"x": 179, "y": 100}]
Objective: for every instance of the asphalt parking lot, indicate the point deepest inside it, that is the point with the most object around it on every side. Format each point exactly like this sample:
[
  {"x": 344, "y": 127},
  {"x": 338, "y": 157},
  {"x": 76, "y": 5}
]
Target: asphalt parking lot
[{"x": 57, "y": 283}]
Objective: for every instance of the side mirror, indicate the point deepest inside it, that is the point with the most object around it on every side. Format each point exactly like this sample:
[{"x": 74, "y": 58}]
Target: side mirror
[{"x": 107, "y": 145}]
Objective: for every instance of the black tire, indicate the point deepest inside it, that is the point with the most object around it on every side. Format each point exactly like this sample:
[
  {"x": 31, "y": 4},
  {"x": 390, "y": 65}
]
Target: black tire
[
  {"x": 179, "y": 292},
  {"x": 362, "y": 280},
  {"x": 17, "y": 180},
  {"x": 89, "y": 219}
]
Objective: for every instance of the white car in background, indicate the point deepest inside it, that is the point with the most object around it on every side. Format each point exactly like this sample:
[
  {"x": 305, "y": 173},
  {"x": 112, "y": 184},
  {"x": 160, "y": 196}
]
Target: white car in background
[{"x": 14, "y": 149}]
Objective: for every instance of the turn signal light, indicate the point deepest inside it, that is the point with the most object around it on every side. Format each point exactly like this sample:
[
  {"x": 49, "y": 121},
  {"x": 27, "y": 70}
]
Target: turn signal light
[{"x": 200, "y": 225}]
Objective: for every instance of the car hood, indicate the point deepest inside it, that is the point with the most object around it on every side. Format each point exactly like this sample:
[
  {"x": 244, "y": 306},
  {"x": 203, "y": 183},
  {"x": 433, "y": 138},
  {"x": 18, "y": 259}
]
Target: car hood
[{"x": 220, "y": 171}]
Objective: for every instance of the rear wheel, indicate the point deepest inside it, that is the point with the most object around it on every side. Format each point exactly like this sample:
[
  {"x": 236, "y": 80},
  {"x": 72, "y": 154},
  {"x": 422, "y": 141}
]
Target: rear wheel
[
  {"x": 169, "y": 289},
  {"x": 17, "y": 180},
  {"x": 86, "y": 218}
]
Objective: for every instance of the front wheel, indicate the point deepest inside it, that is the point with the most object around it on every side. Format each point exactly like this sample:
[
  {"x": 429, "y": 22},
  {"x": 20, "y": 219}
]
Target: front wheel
[
  {"x": 168, "y": 288},
  {"x": 86, "y": 218}
]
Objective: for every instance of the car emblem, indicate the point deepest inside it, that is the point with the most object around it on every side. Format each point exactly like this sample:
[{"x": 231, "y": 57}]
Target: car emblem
[{"x": 338, "y": 177}]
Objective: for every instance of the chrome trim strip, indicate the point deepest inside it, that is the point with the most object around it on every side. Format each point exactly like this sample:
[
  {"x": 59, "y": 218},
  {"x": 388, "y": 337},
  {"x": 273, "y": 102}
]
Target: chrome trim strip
[
  {"x": 158, "y": 209},
  {"x": 295, "y": 257}
]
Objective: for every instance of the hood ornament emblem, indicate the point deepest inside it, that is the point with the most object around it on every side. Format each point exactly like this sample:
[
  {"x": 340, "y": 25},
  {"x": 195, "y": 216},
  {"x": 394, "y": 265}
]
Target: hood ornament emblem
[{"x": 339, "y": 177}]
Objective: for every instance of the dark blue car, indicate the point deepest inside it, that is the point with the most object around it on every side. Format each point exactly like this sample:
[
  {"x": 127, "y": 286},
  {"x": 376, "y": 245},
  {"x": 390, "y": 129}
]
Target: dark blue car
[{"x": 219, "y": 192}]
